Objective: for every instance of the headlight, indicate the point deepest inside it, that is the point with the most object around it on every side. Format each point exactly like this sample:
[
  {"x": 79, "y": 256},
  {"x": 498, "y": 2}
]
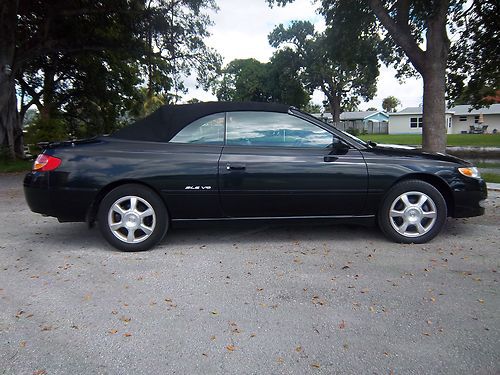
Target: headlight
[{"x": 470, "y": 172}]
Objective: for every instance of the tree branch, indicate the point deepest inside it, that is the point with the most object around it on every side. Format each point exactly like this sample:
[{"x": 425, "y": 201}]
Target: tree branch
[{"x": 401, "y": 35}]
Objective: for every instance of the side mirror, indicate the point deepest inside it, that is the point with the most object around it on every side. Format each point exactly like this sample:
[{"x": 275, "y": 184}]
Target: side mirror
[{"x": 339, "y": 147}]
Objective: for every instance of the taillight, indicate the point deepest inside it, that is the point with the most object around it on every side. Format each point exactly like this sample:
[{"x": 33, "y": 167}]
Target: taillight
[{"x": 45, "y": 163}]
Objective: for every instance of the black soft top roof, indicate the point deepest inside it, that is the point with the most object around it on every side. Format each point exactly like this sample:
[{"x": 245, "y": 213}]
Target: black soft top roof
[{"x": 168, "y": 120}]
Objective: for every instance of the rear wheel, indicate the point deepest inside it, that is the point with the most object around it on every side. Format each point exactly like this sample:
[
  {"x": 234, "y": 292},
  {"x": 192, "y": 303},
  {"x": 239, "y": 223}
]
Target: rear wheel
[
  {"x": 413, "y": 211},
  {"x": 132, "y": 218}
]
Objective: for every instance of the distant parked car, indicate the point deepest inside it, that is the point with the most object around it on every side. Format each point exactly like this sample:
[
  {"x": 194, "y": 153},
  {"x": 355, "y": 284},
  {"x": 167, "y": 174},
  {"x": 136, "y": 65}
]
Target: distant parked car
[{"x": 246, "y": 161}]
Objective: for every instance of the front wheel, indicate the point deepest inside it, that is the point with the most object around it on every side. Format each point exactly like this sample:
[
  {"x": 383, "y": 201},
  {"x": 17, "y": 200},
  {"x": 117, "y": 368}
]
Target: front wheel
[
  {"x": 413, "y": 211},
  {"x": 132, "y": 218}
]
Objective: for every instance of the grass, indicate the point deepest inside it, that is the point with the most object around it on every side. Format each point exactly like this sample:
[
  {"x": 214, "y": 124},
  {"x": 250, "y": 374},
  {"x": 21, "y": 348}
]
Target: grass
[
  {"x": 487, "y": 165},
  {"x": 475, "y": 140},
  {"x": 15, "y": 166},
  {"x": 491, "y": 177}
]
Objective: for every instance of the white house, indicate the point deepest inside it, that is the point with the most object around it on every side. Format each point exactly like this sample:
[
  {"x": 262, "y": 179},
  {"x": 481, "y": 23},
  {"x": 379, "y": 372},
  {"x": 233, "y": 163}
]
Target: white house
[
  {"x": 458, "y": 119},
  {"x": 409, "y": 121},
  {"x": 464, "y": 117}
]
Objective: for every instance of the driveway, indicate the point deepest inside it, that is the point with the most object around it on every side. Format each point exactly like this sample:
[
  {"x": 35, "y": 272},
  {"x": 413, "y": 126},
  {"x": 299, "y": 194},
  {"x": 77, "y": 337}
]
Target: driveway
[{"x": 247, "y": 299}]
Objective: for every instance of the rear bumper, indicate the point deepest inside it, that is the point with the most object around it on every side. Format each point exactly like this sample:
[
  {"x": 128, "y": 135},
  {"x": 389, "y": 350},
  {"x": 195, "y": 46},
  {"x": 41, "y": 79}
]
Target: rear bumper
[
  {"x": 66, "y": 204},
  {"x": 469, "y": 201}
]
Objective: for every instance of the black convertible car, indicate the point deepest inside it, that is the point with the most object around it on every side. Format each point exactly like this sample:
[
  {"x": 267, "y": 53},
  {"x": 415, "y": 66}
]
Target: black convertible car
[{"x": 235, "y": 161}]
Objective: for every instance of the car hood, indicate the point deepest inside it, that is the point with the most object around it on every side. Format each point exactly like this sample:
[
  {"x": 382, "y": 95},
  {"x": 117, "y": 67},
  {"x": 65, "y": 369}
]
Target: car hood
[{"x": 401, "y": 150}]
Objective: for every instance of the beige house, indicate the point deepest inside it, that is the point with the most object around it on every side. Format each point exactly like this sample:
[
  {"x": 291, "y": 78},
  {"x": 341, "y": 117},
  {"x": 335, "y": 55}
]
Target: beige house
[{"x": 459, "y": 119}]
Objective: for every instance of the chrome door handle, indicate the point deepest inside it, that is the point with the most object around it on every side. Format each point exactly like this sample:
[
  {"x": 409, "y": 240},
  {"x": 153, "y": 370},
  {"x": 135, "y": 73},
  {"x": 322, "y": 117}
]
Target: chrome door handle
[{"x": 235, "y": 167}]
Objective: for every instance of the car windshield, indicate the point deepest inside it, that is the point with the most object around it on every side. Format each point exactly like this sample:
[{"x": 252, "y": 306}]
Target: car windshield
[
  {"x": 353, "y": 137},
  {"x": 311, "y": 117}
]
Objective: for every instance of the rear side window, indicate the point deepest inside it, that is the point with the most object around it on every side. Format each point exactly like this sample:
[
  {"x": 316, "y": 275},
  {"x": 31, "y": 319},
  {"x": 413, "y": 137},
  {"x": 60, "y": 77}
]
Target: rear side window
[
  {"x": 274, "y": 129},
  {"x": 206, "y": 130}
]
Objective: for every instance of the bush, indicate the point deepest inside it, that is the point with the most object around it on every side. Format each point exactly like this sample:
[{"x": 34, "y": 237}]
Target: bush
[
  {"x": 353, "y": 131},
  {"x": 40, "y": 130}
]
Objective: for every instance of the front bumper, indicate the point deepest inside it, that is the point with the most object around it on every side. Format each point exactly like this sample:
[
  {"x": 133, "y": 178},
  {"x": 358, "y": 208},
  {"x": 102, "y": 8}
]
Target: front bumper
[{"x": 470, "y": 199}]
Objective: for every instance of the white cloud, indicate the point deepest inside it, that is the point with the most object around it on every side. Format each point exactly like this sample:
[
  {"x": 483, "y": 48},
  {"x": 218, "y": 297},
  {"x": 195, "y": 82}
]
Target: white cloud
[{"x": 240, "y": 31}]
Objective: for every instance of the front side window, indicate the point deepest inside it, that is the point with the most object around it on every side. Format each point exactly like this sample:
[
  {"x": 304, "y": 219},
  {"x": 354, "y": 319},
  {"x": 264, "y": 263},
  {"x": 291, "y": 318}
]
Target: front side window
[
  {"x": 274, "y": 129},
  {"x": 462, "y": 118},
  {"x": 206, "y": 130},
  {"x": 415, "y": 122}
]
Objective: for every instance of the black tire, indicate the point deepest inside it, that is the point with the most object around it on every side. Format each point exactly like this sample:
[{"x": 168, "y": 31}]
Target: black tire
[
  {"x": 421, "y": 226},
  {"x": 142, "y": 223}
]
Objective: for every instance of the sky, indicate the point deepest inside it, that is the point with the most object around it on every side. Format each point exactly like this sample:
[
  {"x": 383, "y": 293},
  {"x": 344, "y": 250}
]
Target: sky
[{"x": 240, "y": 31}]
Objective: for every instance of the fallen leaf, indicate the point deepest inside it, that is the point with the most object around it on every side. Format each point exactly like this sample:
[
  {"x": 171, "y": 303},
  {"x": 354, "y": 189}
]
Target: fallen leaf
[
  {"x": 280, "y": 360},
  {"x": 22, "y": 344},
  {"x": 113, "y": 331},
  {"x": 19, "y": 313},
  {"x": 204, "y": 354},
  {"x": 429, "y": 322},
  {"x": 342, "y": 325},
  {"x": 231, "y": 348},
  {"x": 47, "y": 328},
  {"x": 213, "y": 338},
  {"x": 87, "y": 297},
  {"x": 372, "y": 309},
  {"x": 214, "y": 312},
  {"x": 480, "y": 300},
  {"x": 426, "y": 334},
  {"x": 39, "y": 372},
  {"x": 252, "y": 335},
  {"x": 364, "y": 290},
  {"x": 127, "y": 334},
  {"x": 315, "y": 365},
  {"x": 298, "y": 349},
  {"x": 345, "y": 267},
  {"x": 125, "y": 319}
]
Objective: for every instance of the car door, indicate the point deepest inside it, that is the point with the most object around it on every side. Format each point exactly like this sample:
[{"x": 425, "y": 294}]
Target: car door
[
  {"x": 189, "y": 180},
  {"x": 278, "y": 165}
]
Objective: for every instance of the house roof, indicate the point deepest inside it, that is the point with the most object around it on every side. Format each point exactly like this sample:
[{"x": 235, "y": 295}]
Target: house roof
[
  {"x": 352, "y": 116},
  {"x": 458, "y": 110},
  {"x": 463, "y": 110},
  {"x": 360, "y": 115},
  {"x": 412, "y": 111}
]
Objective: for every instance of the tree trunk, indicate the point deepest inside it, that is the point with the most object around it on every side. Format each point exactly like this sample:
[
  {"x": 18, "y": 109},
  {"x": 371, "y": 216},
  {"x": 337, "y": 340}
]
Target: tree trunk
[
  {"x": 431, "y": 63},
  {"x": 334, "y": 102},
  {"x": 9, "y": 126},
  {"x": 434, "y": 121},
  {"x": 434, "y": 75}
]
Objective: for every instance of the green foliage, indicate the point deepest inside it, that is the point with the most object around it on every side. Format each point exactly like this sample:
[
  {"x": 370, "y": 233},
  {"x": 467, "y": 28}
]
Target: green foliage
[
  {"x": 251, "y": 80},
  {"x": 94, "y": 66},
  {"x": 312, "y": 108},
  {"x": 491, "y": 177},
  {"x": 13, "y": 166},
  {"x": 322, "y": 61},
  {"x": 354, "y": 131},
  {"x": 464, "y": 140},
  {"x": 45, "y": 130},
  {"x": 475, "y": 55},
  {"x": 390, "y": 104}
]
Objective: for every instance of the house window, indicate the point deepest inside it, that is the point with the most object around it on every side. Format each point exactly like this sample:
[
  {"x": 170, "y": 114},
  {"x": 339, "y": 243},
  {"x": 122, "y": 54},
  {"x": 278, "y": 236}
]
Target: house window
[
  {"x": 476, "y": 119},
  {"x": 463, "y": 118},
  {"x": 415, "y": 122},
  {"x": 449, "y": 122}
]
